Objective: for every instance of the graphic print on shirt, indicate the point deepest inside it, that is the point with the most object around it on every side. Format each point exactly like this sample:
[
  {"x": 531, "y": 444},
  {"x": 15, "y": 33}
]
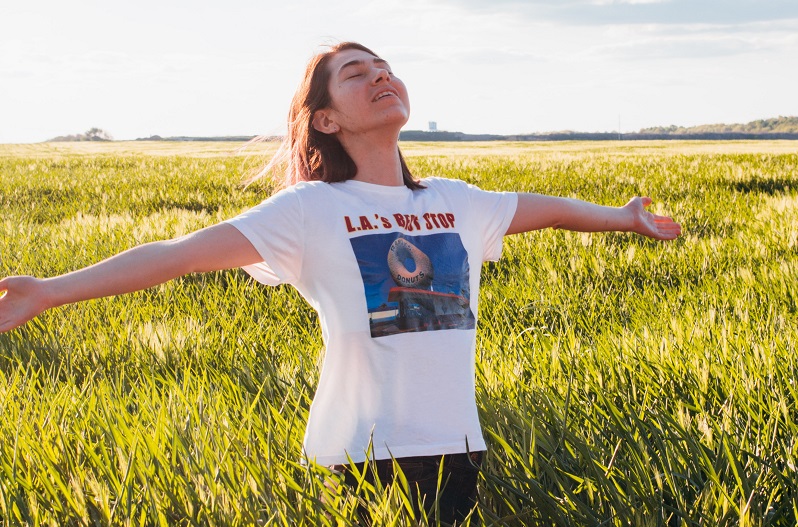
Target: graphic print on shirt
[{"x": 414, "y": 283}]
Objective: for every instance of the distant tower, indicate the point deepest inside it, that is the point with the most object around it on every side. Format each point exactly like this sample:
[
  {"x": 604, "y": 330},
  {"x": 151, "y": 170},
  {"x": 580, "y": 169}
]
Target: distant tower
[{"x": 433, "y": 126}]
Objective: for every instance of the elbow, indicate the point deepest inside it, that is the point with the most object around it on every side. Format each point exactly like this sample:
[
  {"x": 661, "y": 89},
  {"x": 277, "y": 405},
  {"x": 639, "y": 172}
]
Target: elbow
[{"x": 176, "y": 257}]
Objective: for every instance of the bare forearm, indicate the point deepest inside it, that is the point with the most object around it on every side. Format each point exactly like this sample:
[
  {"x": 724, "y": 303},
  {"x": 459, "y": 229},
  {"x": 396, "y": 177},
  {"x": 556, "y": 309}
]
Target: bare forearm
[
  {"x": 132, "y": 270},
  {"x": 536, "y": 212},
  {"x": 218, "y": 247},
  {"x": 540, "y": 212},
  {"x": 576, "y": 215}
]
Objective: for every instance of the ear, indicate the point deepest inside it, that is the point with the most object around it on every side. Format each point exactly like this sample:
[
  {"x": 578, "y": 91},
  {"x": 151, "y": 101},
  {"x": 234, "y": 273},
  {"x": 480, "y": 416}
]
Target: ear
[{"x": 323, "y": 123}]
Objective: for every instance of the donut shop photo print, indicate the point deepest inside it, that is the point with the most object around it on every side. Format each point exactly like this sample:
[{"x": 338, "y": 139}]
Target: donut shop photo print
[{"x": 414, "y": 283}]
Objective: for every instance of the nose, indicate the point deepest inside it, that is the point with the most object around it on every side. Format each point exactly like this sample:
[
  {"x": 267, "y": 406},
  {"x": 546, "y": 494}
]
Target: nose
[{"x": 381, "y": 75}]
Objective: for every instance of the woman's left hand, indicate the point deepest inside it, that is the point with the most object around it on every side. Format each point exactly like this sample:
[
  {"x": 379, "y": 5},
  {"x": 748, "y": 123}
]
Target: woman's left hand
[{"x": 648, "y": 224}]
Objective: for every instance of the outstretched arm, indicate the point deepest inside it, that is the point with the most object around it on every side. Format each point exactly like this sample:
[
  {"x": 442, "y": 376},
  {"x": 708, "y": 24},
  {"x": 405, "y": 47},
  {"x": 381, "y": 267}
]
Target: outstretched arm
[
  {"x": 218, "y": 247},
  {"x": 536, "y": 211}
]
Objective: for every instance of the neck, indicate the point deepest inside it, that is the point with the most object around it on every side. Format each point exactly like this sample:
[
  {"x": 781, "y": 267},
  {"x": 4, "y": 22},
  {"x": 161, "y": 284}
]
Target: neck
[{"x": 377, "y": 159}]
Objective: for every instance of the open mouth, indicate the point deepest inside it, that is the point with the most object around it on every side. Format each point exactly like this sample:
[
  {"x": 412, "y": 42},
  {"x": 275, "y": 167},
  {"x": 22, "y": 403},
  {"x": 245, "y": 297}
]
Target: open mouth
[{"x": 383, "y": 95}]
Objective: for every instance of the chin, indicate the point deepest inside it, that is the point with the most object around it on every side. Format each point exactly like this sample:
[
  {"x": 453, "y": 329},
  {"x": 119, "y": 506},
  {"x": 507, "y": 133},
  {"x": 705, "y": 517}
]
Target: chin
[{"x": 399, "y": 118}]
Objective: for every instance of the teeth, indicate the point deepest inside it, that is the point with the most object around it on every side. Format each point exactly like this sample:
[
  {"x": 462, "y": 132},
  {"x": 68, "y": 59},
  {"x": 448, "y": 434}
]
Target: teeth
[{"x": 383, "y": 94}]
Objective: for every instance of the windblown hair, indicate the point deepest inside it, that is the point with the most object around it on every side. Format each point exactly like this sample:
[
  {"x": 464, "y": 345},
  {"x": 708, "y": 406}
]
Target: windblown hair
[{"x": 307, "y": 154}]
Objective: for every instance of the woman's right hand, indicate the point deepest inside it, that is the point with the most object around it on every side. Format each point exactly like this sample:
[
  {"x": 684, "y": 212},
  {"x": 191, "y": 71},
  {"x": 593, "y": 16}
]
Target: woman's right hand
[{"x": 23, "y": 297}]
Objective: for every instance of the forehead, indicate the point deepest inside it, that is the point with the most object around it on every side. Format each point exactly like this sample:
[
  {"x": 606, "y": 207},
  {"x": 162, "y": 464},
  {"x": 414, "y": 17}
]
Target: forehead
[{"x": 349, "y": 56}]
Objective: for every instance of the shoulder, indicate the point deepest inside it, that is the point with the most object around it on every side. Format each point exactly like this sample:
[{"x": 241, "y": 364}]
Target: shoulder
[
  {"x": 452, "y": 187},
  {"x": 443, "y": 184},
  {"x": 307, "y": 187},
  {"x": 299, "y": 192}
]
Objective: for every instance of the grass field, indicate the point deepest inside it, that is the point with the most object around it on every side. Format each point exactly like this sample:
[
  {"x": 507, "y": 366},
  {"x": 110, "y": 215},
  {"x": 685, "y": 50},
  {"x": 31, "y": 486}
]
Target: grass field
[{"x": 620, "y": 381}]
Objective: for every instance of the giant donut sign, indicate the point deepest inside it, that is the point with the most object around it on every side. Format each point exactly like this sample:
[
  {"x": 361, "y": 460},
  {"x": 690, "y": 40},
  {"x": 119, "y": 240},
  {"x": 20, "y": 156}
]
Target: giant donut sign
[{"x": 402, "y": 250}]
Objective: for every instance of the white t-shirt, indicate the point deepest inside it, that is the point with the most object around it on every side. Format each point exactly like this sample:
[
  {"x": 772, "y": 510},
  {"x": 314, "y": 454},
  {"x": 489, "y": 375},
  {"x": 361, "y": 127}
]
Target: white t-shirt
[{"x": 394, "y": 276}]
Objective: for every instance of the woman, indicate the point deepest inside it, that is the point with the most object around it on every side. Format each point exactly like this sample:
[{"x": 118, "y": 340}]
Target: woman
[{"x": 390, "y": 263}]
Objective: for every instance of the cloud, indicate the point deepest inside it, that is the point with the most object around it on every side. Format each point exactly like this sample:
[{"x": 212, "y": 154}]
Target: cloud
[
  {"x": 602, "y": 12},
  {"x": 487, "y": 56},
  {"x": 663, "y": 48},
  {"x": 572, "y": 31},
  {"x": 697, "y": 42},
  {"x": 608, "y": 2}
]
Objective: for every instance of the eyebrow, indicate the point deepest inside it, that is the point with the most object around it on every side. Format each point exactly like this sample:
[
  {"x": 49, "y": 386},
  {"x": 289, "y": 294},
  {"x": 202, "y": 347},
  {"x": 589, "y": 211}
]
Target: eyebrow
[{"x": 359, "y": 62}]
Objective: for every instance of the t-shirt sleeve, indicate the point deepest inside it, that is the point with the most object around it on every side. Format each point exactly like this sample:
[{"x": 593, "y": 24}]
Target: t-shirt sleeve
[
  {"x": 494, "y": 211},
  {"x": 275, "y": 230}
]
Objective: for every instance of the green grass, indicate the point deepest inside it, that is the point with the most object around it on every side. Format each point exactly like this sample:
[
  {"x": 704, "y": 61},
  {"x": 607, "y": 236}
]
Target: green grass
[{"x": 620, "y": 381}]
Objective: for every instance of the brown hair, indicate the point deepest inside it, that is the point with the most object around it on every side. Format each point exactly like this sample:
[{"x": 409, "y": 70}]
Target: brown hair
[{"x": 306, "y": 153}]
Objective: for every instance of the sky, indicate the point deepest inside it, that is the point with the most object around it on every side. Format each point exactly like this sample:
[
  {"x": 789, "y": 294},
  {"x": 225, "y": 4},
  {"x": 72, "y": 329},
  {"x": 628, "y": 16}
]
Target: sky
[{"x": 210, "y": 68}]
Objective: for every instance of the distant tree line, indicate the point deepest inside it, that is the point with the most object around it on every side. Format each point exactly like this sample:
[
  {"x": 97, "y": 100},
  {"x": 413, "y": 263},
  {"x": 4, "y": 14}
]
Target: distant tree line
[
  {"x": 775, "y": 125},
  {"x": 233, "y": 138},
  {"x": 774, "y": 128},
  {"x": 420, "y": 135},
  {"x": 92, "y": 134}
]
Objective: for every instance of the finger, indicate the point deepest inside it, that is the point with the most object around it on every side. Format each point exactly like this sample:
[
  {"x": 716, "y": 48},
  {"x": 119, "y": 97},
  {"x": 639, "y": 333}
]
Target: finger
[
  {"x": 671, "y": 231},
  {"x": 667, "y": 225},
  {"x": 671, "y": 227},
  {"x": 663, "y": 219},
  {"x": 646, "y": 201},
  {"x": 668, "y": 233}
]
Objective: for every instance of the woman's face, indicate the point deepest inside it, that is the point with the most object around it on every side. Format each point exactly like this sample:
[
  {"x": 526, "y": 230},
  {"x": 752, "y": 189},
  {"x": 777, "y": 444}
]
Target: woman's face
[{"x": 365, "y": 94}]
